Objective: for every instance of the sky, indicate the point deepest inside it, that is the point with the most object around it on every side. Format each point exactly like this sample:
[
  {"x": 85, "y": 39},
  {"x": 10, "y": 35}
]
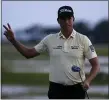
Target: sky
[{"x": 21, "y": 14}]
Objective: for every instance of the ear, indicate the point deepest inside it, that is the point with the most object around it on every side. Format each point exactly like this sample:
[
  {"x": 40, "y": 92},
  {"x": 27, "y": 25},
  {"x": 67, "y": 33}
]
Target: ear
[{"x": 73, "y": 18}]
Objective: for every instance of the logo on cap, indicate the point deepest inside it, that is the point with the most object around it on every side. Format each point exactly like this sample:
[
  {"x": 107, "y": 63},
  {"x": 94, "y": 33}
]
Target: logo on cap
[{"x": 65, "y": 10}]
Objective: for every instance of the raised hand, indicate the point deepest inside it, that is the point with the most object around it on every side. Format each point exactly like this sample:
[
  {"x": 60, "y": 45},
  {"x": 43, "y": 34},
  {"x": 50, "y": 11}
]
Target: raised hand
[{"x": 9, "y": 33}]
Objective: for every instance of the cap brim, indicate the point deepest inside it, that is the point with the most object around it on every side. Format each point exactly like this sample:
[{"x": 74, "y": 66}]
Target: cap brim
[{"x": 65, "y": 15}]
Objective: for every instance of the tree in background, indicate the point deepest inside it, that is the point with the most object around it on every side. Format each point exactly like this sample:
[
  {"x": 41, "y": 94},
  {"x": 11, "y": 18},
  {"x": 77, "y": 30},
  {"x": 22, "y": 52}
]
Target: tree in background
[{"x": 101, "y": 32}]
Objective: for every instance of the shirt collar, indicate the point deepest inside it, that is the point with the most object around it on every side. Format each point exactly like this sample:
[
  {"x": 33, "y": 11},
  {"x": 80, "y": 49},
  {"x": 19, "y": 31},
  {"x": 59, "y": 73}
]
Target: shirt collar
[{"x": 71, "y": 36}]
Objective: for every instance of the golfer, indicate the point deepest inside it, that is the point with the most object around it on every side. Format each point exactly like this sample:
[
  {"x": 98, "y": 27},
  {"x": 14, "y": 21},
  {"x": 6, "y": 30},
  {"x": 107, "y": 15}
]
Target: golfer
[{"x": 67, "y": 50}]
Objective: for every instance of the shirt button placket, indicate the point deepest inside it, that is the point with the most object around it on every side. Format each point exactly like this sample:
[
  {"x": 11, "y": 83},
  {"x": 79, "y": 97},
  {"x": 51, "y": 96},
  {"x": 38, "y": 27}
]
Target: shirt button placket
[{"x": 66, "y": 49}]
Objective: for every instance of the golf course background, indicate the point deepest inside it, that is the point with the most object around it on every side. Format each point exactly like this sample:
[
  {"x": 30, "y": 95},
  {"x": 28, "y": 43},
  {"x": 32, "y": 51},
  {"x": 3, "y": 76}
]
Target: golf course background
[{"x": 40, "y": 79}]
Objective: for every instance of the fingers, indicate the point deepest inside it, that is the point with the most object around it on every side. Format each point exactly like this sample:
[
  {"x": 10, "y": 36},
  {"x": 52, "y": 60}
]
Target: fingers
[
  {"x": 9, "y": 26},
  {"x": 5, "y": 33},
  {"x": 5, "y": 27},
  {"x": 86, "y": 87}
]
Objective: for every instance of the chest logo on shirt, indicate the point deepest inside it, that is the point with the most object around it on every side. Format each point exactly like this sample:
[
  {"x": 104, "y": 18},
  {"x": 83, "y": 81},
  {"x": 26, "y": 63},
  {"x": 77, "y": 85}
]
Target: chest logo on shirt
[
  {"x": 58, "y": 47},
  {"x": 74, "y": 47}
]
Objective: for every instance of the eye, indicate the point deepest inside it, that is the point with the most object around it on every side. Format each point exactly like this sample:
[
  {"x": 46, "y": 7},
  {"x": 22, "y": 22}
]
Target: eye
[{"x": 69, "y": 17}]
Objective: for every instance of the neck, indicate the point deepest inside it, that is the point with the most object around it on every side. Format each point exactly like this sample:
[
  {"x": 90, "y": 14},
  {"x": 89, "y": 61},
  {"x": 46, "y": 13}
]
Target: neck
[{"x": 66, "y": 33}]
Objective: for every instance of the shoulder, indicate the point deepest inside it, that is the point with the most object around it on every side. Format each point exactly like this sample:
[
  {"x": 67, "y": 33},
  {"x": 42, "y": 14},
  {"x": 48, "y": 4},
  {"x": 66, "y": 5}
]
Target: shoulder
[
  {"x": 49, "y": 38},
  {"x": 52, "y": 36},
  {"x": 81, "y": 37}
]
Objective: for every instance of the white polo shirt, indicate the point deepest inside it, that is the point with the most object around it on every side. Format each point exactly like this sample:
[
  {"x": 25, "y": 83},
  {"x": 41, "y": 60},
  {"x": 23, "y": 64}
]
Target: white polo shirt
[{"x": 65, "y": 53}]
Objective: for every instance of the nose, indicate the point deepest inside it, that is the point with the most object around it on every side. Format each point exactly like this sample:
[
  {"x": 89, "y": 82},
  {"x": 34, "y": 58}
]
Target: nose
[{"x": 66, "y": 21}]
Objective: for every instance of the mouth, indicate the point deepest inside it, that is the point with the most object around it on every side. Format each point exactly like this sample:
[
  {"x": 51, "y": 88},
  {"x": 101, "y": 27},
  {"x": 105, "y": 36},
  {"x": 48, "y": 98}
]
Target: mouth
[{"x": 68, "y": 26}]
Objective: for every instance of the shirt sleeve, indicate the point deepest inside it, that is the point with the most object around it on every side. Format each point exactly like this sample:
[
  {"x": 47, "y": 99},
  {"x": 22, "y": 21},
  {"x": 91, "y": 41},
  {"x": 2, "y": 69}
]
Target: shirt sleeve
[
  {"x": 89, "y": 50},
  {"x": 41, "y": 46}
]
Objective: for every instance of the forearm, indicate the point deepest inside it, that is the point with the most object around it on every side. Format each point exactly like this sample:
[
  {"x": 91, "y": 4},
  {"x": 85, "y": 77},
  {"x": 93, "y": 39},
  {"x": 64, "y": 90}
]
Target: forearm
[
  {"x": 21, "y": 48},
  {"x": 93, "y": 72}
]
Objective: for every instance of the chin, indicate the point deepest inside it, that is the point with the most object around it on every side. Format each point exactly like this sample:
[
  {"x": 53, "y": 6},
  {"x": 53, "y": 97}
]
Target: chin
[{"x": 70, "y": 29}]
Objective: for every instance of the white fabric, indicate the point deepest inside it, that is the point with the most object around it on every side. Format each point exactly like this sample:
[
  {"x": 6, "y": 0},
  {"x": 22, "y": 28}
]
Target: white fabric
[{"x": 64, "y": 53}]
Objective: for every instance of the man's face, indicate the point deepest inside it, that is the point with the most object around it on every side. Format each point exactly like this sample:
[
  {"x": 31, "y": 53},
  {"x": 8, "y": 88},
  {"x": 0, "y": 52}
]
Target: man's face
[{"x": 66, "y": 23}]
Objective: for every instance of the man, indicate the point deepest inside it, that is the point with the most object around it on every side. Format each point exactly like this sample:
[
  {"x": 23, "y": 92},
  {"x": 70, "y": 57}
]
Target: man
[{"x": 67, "y": 49}]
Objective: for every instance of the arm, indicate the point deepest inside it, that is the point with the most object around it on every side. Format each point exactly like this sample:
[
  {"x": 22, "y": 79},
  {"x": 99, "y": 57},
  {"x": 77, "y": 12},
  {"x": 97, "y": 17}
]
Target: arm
[
  {"x": 90, "y": 53},
  {"x": 94, "y": 70},
  {"x": 26, "y": 52}
]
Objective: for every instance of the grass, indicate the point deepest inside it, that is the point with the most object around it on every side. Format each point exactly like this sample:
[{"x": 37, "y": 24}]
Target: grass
[
  {"x": 102, "y": 51},
  {"x": 25, "y": 79},
  {"x": 40, "y": 79}
]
